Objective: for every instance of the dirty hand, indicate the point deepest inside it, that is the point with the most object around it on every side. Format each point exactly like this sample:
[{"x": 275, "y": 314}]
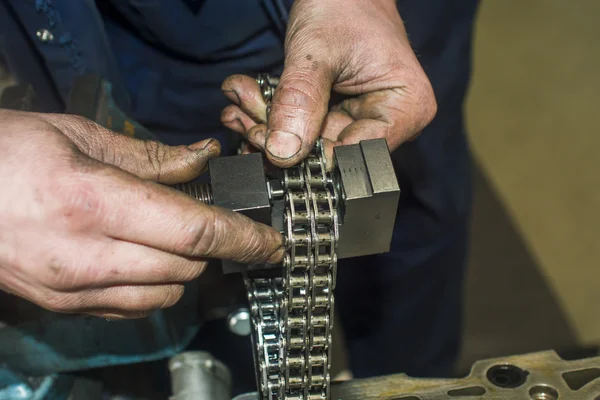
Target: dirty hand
[
  {"x": 355, "y": 48},
  {"x": 83, "y": 229}
]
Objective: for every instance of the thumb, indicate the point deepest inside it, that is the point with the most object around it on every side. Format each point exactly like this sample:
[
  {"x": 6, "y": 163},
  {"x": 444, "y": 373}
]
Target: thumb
[
  {"x": 299, "y": 107},
  {"x": 149, "y": 160}
]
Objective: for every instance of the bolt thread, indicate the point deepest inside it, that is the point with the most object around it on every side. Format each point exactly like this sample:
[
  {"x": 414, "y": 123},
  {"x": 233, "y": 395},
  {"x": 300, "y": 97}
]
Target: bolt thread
[{"x": 202, "y": 192}]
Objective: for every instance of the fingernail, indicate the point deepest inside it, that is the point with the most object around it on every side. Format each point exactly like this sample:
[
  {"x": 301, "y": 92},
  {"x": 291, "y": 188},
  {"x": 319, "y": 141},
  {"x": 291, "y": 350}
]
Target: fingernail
[{"x": 283, "y": 144}]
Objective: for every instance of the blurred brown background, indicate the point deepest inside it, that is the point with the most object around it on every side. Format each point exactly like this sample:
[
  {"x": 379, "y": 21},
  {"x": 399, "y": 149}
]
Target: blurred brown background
[{"x": 533, "y": 116}]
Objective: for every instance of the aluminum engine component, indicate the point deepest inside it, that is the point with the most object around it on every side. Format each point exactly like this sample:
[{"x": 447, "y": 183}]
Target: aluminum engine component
[
  {"x": 198, "y": 376},
  {"x": 537, "y": 376}
]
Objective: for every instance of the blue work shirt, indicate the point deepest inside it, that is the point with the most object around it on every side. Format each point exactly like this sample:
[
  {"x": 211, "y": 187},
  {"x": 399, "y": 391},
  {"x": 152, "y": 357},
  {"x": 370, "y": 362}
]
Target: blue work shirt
[{"x": 166, "y": 60}]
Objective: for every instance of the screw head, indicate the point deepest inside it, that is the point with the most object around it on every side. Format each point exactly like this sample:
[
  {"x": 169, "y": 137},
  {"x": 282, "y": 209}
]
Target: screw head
[{"x": 239, "y": 322}]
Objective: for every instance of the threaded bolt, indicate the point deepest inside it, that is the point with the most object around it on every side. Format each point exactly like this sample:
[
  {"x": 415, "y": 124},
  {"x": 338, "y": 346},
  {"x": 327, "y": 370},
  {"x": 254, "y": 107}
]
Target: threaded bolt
[{"x": 201, "y": 192}]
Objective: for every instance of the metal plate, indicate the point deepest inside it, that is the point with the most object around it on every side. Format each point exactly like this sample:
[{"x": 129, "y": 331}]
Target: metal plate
[
  {"x": 537, "y": 376},
  {"x": 370, "y": 194},
  {"x": 546, "y": 378}
]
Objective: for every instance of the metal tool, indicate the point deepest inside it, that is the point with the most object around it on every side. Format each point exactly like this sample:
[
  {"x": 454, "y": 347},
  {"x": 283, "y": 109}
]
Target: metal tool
[{"x": 324, "y": 216}]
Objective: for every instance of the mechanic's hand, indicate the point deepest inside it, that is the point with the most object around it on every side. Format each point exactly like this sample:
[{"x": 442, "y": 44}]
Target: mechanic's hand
[
  {"x": 84, "y": 230},
  {"x": 358, "y": 49}
]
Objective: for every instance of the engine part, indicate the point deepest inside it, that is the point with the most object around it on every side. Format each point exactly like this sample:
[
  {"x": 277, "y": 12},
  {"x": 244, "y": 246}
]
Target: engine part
[
  {"x": 537, "y": 376},
  {"x": 198, "y": 375}
]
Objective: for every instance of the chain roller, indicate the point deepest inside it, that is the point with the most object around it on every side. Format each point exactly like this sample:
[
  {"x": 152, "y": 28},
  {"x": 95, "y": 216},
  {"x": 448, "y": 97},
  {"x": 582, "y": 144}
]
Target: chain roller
[{"x": 292, "y": 310}]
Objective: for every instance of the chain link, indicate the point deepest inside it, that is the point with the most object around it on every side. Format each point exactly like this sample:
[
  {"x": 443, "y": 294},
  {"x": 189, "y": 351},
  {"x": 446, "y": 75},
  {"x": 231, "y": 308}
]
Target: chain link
[{"x": 292, "y": 312}]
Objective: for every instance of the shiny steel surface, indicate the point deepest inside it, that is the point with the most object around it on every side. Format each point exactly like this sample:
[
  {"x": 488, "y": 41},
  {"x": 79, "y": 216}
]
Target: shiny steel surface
[
  {"x": 292, "y": 308},
  {"x": 239, "y": 322},
  {"x": 201, "y": 192}
]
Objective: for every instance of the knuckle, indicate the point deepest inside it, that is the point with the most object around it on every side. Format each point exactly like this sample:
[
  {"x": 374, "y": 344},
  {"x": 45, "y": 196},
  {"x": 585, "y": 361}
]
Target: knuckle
[
  {"x": 429, "y": 105},
  {"x": 157, "y": 157},
  {"x": 425, "y": 99},
  {"x": 78, "y": 204},
  {"x": 298, "y": 92},
  {"x": 415, "y": 104},
  {"x": 156, "y": 153},
  {"x": 58, "y": 275},
  {"x": 199, "y": 236}
]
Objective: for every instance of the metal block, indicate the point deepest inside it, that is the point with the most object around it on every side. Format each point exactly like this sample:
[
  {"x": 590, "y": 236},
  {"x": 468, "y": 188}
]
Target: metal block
[
  {"x": 239, "y": 184},
  {"x": 370, "y": 194}
]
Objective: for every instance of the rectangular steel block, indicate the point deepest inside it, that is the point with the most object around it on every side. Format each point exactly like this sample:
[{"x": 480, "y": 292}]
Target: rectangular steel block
[
  {"x": 239, "y": 184},
  {"x": 370, "y": 194}
]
